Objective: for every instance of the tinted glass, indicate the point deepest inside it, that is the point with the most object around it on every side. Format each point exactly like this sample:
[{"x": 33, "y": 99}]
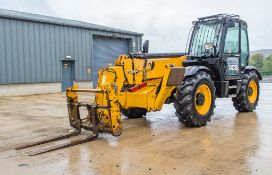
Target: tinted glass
[
  {"x": 232, "y": 39},
  {"x": 244, "y": 46},
  {"x": 208, "y": 32}
]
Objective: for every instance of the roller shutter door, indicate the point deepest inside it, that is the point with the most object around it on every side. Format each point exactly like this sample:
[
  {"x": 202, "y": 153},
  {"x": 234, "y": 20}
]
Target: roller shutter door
[{"x": 105, "y": 51}]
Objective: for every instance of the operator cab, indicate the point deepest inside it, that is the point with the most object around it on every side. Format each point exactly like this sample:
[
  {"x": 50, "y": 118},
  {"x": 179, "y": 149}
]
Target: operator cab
[
  {"x": 219, "y": 42},
  {"x": 216, "y": 66}
]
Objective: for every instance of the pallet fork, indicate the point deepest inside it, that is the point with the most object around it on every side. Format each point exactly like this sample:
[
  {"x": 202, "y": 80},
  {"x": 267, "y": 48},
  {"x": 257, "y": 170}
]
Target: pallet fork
[{"x": 89, "y": 123}]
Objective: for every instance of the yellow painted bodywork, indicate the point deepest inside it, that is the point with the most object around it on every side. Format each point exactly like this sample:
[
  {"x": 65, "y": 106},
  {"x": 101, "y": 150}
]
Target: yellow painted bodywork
[
  {"x": 127, "y": 72},
  {"x": 148, "y": 97}
]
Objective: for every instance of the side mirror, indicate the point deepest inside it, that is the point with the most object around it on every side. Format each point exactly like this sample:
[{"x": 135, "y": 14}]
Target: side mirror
[
  {"x": 146, "y": 46},
  {"x": 209, "y": 47}
]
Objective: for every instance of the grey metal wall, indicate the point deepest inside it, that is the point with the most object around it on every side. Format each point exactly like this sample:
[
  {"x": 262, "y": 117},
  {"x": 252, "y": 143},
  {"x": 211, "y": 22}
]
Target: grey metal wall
[{"x": 31, "y": 52}]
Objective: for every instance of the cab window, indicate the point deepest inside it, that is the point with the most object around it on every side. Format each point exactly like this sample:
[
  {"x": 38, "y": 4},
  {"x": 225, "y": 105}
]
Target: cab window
[
  {"x": 244, "y": 46},
  {"x": 232, "y": 39}
]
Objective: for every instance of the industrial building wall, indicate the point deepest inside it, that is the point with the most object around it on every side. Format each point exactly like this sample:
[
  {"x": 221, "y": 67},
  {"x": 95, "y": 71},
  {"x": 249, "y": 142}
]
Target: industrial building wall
[{"x": 32, "y": 52}]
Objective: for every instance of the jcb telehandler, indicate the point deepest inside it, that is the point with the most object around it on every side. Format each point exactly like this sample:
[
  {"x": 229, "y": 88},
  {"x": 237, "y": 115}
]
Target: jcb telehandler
[{"x": 215, "y": 65}]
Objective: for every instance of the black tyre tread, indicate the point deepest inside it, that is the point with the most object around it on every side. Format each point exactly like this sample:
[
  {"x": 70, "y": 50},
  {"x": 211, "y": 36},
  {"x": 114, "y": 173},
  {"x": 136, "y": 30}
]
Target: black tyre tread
[
  {"x": 184, "y": 100},
  {"x": 240, "y": 102},
  {"x": 134, "y": 112}
]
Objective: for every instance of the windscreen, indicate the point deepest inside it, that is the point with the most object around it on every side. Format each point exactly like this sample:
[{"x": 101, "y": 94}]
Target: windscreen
[{"x": 205, "y": 32}]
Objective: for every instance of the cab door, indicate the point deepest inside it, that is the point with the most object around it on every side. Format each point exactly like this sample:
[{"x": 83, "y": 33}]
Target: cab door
[{"x": 231, "y": 52}]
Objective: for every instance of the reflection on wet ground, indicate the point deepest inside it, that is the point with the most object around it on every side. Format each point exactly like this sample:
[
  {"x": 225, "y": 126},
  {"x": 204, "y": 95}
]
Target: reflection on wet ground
[{"x": 232, "y": 143}]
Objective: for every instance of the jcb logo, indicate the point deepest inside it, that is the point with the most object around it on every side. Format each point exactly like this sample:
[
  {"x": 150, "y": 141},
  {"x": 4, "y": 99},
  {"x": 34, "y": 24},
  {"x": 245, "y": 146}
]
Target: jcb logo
[{"x": 233, "y": 67}]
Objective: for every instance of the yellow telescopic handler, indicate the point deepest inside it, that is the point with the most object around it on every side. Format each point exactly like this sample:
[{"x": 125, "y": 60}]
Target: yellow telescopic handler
[{"x": 215, "y": 65}]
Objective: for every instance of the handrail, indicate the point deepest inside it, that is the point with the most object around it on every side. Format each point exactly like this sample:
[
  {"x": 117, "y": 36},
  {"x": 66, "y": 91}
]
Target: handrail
[{"x": 155, "y": 55}]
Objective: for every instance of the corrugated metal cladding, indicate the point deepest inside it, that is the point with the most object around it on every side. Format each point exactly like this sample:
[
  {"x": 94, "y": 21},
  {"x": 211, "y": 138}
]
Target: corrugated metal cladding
[
  {"x": 102, "y": 58},
  {"x": 32, "y": 49}
]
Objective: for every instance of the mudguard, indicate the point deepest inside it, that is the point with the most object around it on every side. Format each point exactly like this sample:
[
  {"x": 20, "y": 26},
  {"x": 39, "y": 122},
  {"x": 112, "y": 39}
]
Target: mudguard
[
  {"x": 251, "y": 68},
  {"x": 192, "y": 70}
]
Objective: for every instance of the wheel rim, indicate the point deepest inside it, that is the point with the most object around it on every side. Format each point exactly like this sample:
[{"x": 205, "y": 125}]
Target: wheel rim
[
  {"x": 252, "y": 92},
  {"x": 203, "y": 105}
]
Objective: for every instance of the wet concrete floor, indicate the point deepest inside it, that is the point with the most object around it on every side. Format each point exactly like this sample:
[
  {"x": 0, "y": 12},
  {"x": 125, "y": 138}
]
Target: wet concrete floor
[{"x": 232, "y": 143}]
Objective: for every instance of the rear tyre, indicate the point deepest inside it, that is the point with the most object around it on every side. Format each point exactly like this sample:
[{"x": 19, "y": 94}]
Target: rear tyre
[
  {"x": 134, "y": 112},
  {"x": 195, "y": 100},
  {"x": 248, "y": 97}
]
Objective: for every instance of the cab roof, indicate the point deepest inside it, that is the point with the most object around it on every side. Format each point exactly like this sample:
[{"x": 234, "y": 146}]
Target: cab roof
[{"x": 223, "y": 17}]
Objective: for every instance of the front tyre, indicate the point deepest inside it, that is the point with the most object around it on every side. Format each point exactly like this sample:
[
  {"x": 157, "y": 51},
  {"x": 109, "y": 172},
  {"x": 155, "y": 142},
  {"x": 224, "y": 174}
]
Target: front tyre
[
  {"x": 248, "y": 96},
  {"x": 195, "y": 100}
]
